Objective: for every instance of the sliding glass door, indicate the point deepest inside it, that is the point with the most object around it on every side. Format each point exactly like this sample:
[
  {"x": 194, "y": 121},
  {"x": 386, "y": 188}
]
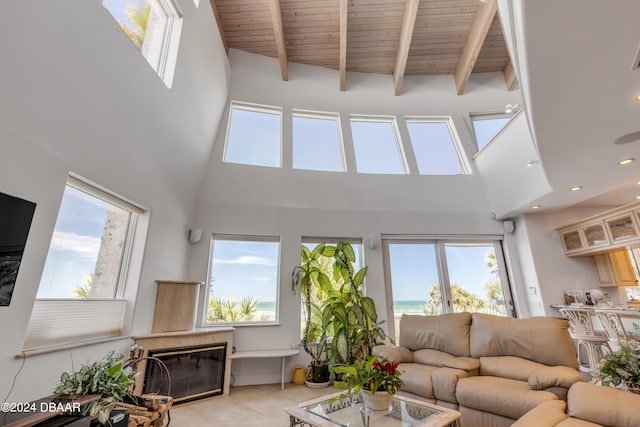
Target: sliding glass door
[{"x": 434, "y": 276}]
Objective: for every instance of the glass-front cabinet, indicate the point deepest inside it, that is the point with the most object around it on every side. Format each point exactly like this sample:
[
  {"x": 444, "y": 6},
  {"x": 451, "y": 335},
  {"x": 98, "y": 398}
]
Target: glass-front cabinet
[
  {"x": 622, "y": 228},
  {"x": 607, "y": 231},
  {"x": 572, "y": 241},
  {"x": 595, "y": 235}
]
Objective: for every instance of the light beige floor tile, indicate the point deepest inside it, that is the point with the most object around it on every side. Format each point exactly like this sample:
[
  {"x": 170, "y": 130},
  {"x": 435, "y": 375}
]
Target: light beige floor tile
[{"x": 259, "y": 405}]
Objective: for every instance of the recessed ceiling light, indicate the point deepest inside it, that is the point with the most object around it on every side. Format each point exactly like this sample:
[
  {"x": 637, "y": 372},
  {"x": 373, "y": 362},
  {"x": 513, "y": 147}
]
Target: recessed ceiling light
[
  {"x": 536, "y": 207},
  {"x": 626, "y": 161},
  {"x": 638, "y": 197},
  {"x": 576, "y": 188},
  {"x": 637, "y": 97}
]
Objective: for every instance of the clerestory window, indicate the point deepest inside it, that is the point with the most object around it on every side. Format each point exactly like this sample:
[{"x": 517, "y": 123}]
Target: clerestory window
[
  {"x": 377, "y": 145},
  {"x": 317, "y": 142},
  {"x": 254, "y": 135},
  {"x": 154, "y": 27},
  {"x": 487, "y": 126},
  {"x": 436, "y": 149}
]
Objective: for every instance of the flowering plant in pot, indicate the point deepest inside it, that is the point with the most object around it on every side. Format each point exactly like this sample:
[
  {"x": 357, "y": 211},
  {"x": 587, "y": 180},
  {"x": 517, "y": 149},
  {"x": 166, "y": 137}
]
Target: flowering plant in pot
[{"x": 377, "y": 380}]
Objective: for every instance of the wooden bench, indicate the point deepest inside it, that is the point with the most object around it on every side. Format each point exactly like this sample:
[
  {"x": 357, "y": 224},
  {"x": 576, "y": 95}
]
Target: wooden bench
[{"x": 267, "y": 354}]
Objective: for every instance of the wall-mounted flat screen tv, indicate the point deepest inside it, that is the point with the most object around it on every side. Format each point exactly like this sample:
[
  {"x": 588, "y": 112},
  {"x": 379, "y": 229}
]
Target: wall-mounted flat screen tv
[{"x": 15, "y": 220}]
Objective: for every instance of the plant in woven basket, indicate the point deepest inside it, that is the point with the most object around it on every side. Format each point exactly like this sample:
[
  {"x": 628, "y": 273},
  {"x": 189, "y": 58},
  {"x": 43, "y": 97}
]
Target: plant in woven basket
[
  {"x": 620, "y": 368},
  {"x": 106, "y": 378}
]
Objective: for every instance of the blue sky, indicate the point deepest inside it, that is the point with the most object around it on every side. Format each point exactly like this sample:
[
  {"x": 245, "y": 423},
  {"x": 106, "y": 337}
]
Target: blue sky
[
  {"x": 244, "y": 269},
  {"x": 414, "y": 269}
]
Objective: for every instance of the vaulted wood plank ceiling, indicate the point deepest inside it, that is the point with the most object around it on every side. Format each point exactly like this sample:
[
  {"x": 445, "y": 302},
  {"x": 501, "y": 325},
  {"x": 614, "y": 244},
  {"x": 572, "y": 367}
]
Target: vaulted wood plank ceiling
[{"x": 395, "y": 37}]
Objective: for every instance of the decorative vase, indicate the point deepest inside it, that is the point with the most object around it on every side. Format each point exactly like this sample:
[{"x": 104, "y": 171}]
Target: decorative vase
[{"x": 378, "y": 401}]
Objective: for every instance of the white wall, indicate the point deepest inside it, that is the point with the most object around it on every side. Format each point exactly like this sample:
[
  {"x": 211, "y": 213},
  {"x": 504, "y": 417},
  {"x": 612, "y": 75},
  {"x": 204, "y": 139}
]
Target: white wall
[
  {"x": 77, "y": 96},
  {"x": 295, "y": 203},
  {"x": 547, "y": 271}
]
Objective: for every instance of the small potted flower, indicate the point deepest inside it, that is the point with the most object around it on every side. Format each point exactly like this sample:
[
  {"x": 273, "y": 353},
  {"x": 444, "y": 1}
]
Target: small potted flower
[{"x": 377, "y": 380}]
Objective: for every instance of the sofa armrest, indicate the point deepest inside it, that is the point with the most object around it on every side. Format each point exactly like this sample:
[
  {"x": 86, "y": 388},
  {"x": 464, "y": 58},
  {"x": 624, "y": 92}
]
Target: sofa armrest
[
  {"x": 393, "y": 353},
  {"x": 445, "y": 382},
  {"x": 604, "y": 405},
  {"x": 554, "y": 376},
  {"x": 546, "y": 414}
]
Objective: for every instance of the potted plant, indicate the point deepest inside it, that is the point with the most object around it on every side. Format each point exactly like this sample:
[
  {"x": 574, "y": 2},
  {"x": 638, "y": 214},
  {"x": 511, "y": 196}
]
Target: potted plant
[
  {"x": 106, "y": 378},
  {"x": 377, "y": 380},
  {"x": 335, "y": 306},
  {"x": 315, "y": 335},
  {"x": 620, "y": 368}
]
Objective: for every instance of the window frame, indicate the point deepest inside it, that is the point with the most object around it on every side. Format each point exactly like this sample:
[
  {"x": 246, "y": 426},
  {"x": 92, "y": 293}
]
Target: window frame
[
  {"x": 463, "y": 160},
  {"x": 256, "y": 108},
  {"x": 393, "y": 120},
  {"x": 239, "y": 238},
  {"x": 320, "y": 116},
  {"x": 58, "y": 313}
]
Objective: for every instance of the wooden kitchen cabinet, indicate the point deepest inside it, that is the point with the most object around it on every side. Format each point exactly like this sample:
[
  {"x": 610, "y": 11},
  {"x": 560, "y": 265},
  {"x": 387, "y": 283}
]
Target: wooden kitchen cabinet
[{"x": 614, "y": 268}]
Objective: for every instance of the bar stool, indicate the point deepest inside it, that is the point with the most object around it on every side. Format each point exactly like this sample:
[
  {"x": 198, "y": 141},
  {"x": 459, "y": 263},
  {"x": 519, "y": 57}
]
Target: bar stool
[
  {"x": 591, "y": 342},
  {"x": 620, "y": 326}
]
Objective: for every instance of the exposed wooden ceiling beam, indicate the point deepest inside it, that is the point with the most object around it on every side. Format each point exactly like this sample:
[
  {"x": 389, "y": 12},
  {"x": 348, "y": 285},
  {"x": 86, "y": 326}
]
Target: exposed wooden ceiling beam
[
  {"x": 406, "y": 34},
  {"x": 344, "y": 8},
  {"x": 276, "y": 17},
  {"x": 216, "y": 13},
  {"x": 479, "y": 29},
  {"x": 510, "y": 78}
]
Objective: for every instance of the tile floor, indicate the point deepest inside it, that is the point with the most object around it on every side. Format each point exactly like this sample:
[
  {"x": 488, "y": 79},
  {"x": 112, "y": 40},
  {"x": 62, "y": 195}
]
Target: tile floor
[{"x": 257, "y": 405}]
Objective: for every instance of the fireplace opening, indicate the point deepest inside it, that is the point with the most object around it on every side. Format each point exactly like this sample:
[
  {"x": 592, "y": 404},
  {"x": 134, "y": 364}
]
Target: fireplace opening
[{"x": 195, "y": 372}]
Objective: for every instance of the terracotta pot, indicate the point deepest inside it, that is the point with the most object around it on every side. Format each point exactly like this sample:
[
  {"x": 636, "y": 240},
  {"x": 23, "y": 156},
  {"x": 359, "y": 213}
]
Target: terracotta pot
[{"x": 378, "y": 401}]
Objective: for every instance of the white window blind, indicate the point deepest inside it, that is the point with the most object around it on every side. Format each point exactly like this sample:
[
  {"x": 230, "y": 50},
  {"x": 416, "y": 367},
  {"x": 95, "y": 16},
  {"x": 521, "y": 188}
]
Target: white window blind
[{"x": 55, "y": 321}]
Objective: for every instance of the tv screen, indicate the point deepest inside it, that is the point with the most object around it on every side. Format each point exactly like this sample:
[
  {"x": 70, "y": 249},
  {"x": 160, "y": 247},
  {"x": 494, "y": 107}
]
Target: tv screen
[{"x": 15, "y": 220}]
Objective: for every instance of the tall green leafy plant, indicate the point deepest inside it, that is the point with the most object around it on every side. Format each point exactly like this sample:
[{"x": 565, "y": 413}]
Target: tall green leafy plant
[
  {"x": 309, "y": 277},
  {"x": 356, "y": 329},
  {"x": 337, "y": 313}
]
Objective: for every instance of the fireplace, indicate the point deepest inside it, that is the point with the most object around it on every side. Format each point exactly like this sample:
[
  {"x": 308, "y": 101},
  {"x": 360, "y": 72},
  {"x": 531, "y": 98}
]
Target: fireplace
[{"x": 195, "y": 371}]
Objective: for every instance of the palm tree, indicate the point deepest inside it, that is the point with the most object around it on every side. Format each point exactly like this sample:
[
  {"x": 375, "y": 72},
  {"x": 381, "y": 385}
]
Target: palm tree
[
  {"x": 226, "y": 310},
  {"x": 83, "y": 291},
  {"x": 138, "y": 13}
]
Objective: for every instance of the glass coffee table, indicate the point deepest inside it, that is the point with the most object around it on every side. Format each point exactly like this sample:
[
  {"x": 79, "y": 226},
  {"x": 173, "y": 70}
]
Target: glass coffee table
[{"x": 333, "y": 410}]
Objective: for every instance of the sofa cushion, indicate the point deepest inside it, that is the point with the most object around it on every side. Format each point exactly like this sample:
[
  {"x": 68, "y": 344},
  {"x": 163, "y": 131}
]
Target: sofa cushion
[
  {"x": 428, "y": 356},
  {"x": 547, "y": 413},
  {"x": 393, "y": 353},
  {"x": 515, "y": 368},
  {"x": 417, "y": 379},
  {"x": 554, "y": 376},
  {"x": 501, "y": 396},
  {"x": 574, "y": 422},
  {"x": 541, "y": 339},
  {"x": 604, "y": 405},
  {"x": 446, "y": 332}
]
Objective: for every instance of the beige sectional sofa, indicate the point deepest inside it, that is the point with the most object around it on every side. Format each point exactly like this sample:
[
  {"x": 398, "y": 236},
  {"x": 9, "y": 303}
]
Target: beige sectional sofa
[
  {"x": 492, "y": 369},
  {"x": 588, "y": 405}
]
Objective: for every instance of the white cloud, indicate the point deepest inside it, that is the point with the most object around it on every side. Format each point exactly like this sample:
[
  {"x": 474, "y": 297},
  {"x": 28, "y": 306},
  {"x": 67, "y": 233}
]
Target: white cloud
[
  {"x": 245, "y": 260},
  {"x": 84, "y": 246}
]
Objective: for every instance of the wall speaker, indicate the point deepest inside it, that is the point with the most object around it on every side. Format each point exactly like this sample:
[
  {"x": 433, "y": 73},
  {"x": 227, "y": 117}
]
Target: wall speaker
[
  {"x": 509, "y": 226},
  {"x": 195, "y": 235}
]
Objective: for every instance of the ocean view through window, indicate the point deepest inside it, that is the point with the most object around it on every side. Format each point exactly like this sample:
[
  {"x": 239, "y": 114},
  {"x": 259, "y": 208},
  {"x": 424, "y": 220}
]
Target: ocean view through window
[{"x": 243, "y": 280}]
